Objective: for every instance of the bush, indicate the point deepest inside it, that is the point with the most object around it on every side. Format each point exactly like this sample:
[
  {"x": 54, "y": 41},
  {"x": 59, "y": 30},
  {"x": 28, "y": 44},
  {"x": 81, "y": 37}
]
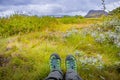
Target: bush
[{"x": 18, "y": 24}]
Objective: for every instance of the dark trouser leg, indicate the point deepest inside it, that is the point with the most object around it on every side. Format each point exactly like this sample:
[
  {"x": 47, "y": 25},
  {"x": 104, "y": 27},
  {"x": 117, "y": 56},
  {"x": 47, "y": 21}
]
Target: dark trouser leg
[
  {"x": 72, "y": 75},
  {"x": 55, "y": 75}
]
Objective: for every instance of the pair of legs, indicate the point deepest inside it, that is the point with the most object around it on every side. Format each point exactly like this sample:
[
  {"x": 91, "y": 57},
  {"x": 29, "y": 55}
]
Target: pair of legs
[{"x": 55, "y": 67}]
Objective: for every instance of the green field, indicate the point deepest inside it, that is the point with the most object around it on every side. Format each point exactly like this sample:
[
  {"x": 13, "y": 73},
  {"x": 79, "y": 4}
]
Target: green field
[{"x": 28, "y": 41}]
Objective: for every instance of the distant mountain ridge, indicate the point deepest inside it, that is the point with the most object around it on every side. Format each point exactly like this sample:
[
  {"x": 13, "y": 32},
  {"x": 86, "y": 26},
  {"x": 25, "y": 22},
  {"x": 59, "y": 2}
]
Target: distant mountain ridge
[{"x": 96, "y": 13}]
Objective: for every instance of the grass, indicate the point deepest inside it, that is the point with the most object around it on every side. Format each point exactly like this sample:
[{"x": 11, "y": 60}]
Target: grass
[
  {"x": 18, "y": 24},
  {"x": 25, "y": 55}
]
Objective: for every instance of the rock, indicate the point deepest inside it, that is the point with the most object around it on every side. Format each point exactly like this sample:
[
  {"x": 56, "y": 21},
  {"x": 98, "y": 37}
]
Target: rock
[
  {"x": 96, "y": 13},
  {"x": 4, "y": 60}
]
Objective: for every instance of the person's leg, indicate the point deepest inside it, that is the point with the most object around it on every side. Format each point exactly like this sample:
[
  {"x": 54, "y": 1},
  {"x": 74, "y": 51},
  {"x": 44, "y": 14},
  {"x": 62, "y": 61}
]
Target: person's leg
[
  {"x": 72, "y": 75},
  {"x": 55, "y": 68},
  {"x": 71, "y": 66},
  {"x": 55, "y": 75}
]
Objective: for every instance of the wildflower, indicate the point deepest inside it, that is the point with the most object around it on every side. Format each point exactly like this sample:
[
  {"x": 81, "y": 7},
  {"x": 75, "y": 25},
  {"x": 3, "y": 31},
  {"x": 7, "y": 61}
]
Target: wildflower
[
  {"x": 118, "y": 44},
  {"x": 117, "y": 29},
  {"x": 94, "y": 34},
  {"x": 100, "y": 38}
]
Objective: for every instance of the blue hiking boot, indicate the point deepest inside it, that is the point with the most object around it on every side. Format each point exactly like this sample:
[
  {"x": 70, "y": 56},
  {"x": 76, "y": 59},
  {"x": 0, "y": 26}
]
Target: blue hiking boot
[
  {"x": 71, "y": 63},
  {"x": 55, "y": 62}
]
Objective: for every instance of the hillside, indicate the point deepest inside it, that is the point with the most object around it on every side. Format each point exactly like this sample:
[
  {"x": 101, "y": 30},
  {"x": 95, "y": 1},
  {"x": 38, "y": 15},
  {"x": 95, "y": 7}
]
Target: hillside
[
  {"x": 115, "y": 12},
  {"x": 28, "y": 41}
]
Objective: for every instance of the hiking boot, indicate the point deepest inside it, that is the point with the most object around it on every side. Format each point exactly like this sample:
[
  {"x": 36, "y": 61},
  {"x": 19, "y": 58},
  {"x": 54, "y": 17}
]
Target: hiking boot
[
  {"x": 71, "y": 63},
  {"x": 55, "y": 62}
]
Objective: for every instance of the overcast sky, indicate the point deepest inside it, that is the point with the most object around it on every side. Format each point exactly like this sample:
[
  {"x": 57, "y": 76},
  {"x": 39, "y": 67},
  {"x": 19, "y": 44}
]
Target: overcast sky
[{"x": 54, "y": 7}]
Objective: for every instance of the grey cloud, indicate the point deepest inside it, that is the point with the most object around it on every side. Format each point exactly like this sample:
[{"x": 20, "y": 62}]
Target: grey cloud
[{"x": 14, "y": 2}]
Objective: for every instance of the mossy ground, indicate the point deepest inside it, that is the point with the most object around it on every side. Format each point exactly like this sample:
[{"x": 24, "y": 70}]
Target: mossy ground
[{"x": 25, "y": 55}]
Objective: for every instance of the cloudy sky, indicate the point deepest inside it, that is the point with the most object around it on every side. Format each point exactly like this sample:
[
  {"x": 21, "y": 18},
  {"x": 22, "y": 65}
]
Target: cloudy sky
[{"x": 54, "y": 7}]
